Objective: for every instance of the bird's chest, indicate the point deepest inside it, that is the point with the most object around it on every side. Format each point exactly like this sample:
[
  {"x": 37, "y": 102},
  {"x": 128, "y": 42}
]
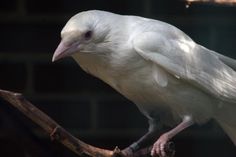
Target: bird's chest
[
  {"x": 139, "y": 85},
  {"x": 135, "y": 80},
  {"x": 129, "y": 74},
  {"x": 132, "y": 76}
]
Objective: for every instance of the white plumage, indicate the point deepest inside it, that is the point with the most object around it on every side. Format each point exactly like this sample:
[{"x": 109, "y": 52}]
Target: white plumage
[{"x": 157, "y": 66}]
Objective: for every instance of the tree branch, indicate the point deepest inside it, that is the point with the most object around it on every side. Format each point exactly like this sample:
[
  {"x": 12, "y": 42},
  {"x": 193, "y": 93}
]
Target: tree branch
[
  {"x": 60, "y": 134},
  {"x": 223, "y": 2}
]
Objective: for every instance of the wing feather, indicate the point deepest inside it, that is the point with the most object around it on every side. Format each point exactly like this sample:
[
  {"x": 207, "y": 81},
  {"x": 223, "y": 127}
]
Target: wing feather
[{"x": 194, "y": 63}]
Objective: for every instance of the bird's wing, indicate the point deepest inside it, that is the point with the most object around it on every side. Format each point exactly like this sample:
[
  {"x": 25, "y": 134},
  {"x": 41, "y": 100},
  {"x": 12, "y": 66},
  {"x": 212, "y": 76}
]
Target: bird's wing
[
  {"x": 226, "y": 60},
  {"x": 182, "y": 57}
]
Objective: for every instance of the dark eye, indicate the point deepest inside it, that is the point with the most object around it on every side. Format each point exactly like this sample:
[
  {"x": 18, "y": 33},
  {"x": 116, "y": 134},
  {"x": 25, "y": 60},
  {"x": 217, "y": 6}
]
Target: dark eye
[{"x": 88, "y": 35}]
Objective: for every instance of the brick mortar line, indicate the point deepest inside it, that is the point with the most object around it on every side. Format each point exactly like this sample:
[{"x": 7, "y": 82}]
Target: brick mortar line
[
  {"x": 75, "y": 96},
  {"x": 28, "y": 57},
  {"x": 21, "y": 18},
  {"x": 93, "y": 114},
  {"x": 62, "y": 18},
  {"x": 134, "y": 133}
]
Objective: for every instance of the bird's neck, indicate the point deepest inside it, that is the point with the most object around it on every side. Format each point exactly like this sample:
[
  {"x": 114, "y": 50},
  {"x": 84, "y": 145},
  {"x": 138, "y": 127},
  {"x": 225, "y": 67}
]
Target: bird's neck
[{"x": 93, "y": 65}]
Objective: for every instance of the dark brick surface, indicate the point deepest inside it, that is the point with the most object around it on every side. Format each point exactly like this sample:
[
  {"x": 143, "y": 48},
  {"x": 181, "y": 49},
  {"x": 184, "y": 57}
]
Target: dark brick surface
[
  {"x": 225, "y": 45},
  {"x": 58, "y": 77},
  {"x": 75, "y": 6},
  {"x": 178, "y": 7},
  {"x": 69, "y": 114},
  {"x": 209, "y": 9},
  {"x": 167, "y": 7},
  {"x": 20, "y": 37},
  {"x": 121, "y": 114},
  {"x": 200, "y": 146},
  {"x": 7, "y": 6},
  {"x": 13, "y": 75}
]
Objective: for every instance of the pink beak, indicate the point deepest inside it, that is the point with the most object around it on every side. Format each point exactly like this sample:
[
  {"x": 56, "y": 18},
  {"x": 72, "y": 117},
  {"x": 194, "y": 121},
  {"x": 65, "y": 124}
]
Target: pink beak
[{"x": 60, "y": 52}]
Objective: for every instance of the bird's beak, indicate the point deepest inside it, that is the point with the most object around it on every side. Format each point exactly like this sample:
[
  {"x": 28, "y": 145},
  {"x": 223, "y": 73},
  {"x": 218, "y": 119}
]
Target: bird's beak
[
  {"x": 63, "y": 50},
  {"x": 60, "y": 52}
]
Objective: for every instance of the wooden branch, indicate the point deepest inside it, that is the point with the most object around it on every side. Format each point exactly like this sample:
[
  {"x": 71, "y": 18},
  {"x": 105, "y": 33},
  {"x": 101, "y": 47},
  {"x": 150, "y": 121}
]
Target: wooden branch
[
  {"x": 55, "y": 130},
  {"x": 219, "y": 2},
  {"x": 60, "y": 134}
]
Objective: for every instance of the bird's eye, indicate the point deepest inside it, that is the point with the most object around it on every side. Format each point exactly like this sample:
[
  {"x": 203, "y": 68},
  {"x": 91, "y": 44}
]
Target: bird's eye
[{"x": 88, "y": 35}]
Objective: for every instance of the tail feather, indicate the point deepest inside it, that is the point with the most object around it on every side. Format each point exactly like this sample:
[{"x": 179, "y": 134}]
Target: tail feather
[
  {"x": 230, "y": 130},
  {"x": 226, "y": 118}
]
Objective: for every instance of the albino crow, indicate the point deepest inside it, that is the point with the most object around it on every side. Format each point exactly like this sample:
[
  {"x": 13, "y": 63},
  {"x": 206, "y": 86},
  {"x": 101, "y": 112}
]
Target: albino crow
[{"x": 172, "y": 80}]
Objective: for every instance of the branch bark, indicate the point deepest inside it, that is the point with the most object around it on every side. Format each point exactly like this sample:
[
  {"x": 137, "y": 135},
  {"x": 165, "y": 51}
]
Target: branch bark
[
  {"x": 59, "y": 133},
  {"x": 219, "y": 2}
]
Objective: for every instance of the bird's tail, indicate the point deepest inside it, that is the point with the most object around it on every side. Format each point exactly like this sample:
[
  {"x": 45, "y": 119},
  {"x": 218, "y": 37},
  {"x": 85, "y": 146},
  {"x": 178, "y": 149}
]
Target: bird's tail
[{"x": 227, "y": 119}]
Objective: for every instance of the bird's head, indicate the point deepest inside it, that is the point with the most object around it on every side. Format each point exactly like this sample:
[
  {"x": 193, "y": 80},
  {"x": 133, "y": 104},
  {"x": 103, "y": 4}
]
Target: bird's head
[{"x": 83, "y": 33}]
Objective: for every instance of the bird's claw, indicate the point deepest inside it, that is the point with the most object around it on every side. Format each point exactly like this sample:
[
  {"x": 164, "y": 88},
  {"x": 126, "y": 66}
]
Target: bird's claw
[
  {"x": 117, "y": 152},
  {"x": 159, "y": 147}
]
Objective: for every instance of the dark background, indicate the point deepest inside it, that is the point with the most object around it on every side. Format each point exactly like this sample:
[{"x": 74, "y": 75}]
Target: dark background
[{"x": 88, "y": 108}]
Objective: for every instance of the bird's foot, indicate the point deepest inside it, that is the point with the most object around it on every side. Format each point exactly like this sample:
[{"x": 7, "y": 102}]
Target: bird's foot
[
  {"x": 159, "y": 147},
  {"x": 143, "y": 152}
]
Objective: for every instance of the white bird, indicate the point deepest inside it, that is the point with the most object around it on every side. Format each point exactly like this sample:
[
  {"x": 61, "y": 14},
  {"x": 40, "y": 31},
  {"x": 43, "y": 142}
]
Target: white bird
[{"x": 172, "y": 80}]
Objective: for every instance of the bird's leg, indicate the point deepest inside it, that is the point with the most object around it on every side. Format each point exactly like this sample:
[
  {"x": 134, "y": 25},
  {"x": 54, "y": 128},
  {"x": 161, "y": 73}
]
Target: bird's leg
[
  {"x": 144, "y": 141},
  {"x": 159, "y": 146}
]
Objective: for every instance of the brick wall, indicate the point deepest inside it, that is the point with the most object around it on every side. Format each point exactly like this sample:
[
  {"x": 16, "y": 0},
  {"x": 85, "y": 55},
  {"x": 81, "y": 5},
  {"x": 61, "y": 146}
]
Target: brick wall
[{"x": 29, "y": 34}]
